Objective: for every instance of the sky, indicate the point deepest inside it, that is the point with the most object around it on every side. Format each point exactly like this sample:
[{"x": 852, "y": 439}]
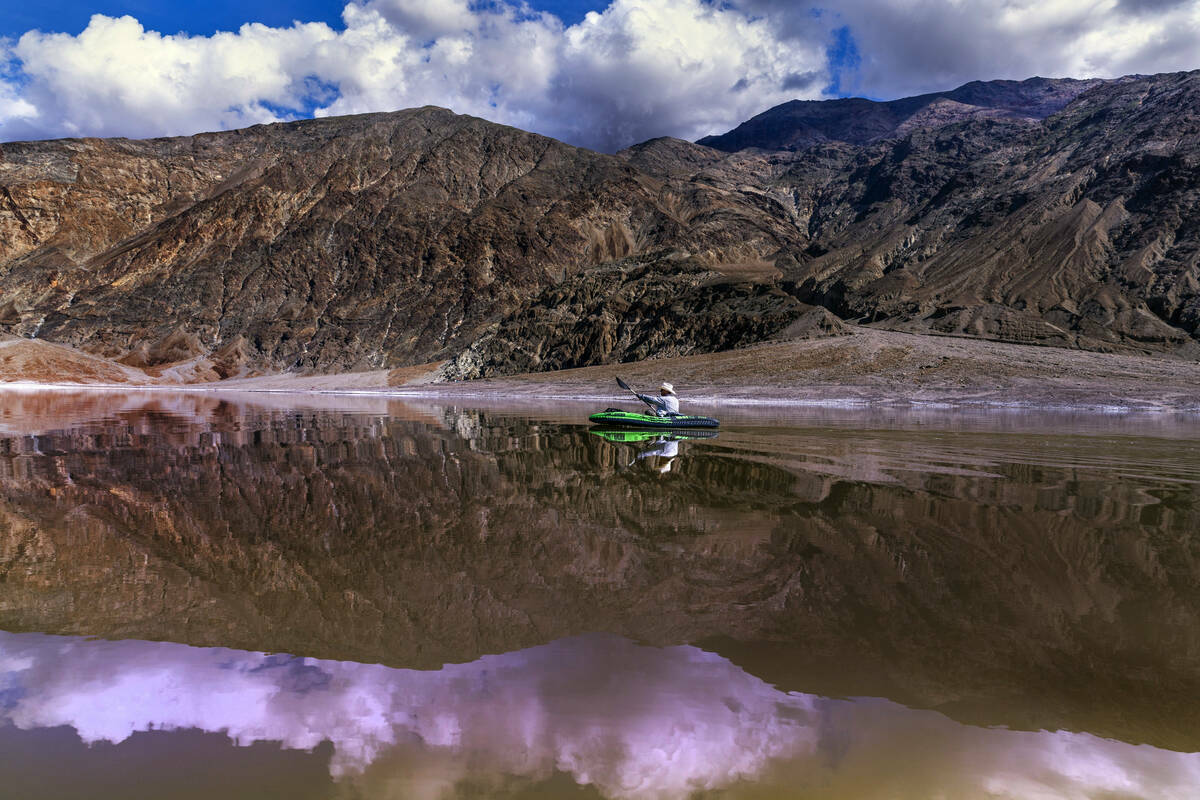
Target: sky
[{"x": 595, "y": 74}]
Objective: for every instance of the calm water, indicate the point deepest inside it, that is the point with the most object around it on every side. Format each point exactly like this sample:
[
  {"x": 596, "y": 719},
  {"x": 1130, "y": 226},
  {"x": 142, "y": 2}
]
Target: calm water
[{"x": 207, "y": 597}]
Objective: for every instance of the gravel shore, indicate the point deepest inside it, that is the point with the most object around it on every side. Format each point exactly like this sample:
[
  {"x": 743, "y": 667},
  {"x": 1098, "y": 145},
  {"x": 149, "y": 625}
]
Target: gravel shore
[{"x": 868, "y": 367}]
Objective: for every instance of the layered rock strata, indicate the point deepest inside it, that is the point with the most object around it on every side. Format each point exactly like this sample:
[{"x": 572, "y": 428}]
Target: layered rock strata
[
  {"x": 1048, "y": 212},
  {"x": 363, "y": 242}
]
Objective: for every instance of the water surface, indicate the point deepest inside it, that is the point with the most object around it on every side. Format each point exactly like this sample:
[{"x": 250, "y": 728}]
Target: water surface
[{"x": 343, "y": 598}]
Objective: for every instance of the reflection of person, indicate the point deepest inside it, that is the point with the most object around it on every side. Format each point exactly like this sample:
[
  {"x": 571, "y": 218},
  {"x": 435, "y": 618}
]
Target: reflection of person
[
  {"x": 665, "y": 404},
  {"x": 664, "y": 454}
]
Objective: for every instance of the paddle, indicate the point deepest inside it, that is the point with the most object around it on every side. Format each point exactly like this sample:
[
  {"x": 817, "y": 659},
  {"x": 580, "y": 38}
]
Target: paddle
[{"x": 629, "y": 388}]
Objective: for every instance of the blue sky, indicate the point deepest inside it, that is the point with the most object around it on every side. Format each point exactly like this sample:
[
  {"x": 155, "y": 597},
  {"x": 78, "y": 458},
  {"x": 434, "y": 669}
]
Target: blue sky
[
  {"x": 634, "y": 70},
  {"x": 71, "y": 16},
  {"x": 197, "y": 18}
]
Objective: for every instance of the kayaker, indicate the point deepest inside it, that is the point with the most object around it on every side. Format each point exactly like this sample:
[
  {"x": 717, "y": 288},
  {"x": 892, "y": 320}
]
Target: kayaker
[{"x": 665, "y": 404}]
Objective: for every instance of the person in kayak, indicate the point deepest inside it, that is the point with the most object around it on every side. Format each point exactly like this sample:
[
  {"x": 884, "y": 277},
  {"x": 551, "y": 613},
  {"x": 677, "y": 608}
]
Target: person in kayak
[{"x": 666, "y": 404}]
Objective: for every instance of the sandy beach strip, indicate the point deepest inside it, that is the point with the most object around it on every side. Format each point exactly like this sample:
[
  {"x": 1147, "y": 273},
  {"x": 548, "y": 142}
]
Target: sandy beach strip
[{"x": 869, "y": 367}]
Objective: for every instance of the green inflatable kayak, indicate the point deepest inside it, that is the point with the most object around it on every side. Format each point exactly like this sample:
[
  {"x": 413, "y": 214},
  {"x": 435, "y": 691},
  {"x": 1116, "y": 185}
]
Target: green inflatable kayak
[
  {"x": 637, "y": 436},
  {"x": 616, "y": 418}
]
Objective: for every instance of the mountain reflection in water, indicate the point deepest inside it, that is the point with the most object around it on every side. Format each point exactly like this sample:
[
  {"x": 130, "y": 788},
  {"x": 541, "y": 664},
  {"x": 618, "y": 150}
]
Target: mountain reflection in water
[
  {"x": 1028, "y": 571},
  {"x": 629, "y": 721}
]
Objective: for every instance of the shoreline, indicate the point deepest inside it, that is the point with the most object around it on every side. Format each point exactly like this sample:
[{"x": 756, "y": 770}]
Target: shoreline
[
  {"x": 497, "y": 392},
  {"x": 867, "y": 368}
]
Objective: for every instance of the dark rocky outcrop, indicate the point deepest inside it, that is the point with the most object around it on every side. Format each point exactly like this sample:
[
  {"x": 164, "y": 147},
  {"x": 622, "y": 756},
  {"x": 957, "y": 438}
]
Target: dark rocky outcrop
[
  {"x": 856, "y": 120},
  {"x": 631, "y": 310}
]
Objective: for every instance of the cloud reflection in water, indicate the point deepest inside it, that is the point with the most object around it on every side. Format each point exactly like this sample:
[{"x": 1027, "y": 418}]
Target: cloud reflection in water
[{"x": 633, "y": 721}]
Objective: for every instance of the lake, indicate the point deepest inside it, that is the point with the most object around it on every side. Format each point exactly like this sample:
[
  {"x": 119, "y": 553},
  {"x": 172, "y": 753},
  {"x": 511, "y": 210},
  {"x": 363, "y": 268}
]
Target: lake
[{"x": 303, "y": 596}]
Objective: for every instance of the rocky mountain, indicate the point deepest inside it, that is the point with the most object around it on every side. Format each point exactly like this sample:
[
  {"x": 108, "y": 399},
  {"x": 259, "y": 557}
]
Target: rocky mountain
[
  {"x": 370, "y": 241},
  {"x": 856, "y": 120},
  {"x": 1079, "y": 230},
  {"x": 1052, "y": 212}
]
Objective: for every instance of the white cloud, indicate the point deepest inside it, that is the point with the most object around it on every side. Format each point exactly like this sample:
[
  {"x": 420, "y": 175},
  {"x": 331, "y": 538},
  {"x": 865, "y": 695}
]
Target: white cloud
[
  {"x": 14, "y": 107},
  {"x": 679, "y": 67},
  {"x": 641, "y": 68},
  {"x": 12, "y": 104},
  {"x": 427, "y": 20},
  {"x": 913, "y": 46},
  {"x": 493, "y": 63},
  {"x": 637, "y": 69},
  {"x": 116, "y": 78}
]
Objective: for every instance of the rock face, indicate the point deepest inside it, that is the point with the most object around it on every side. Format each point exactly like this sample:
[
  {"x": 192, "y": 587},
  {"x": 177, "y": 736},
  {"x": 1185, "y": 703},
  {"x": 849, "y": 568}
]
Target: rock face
[
  {"x": 630, "y": 310},
  {"x": 1079, "y": 230},
  {"x": 801, "y": 123},
  {"x": 371, "y": 241},
  {"x": 1054, "y": 212}
]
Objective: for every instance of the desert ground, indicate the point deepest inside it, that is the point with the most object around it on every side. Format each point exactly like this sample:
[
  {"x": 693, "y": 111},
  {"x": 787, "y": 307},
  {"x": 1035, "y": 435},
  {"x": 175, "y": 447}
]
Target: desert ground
[{"x": 868, "y": 367}]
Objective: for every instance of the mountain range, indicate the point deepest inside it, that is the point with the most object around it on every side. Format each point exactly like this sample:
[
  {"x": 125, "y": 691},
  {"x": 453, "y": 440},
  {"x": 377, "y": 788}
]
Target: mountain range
[{"x": 1055, "y": 212}]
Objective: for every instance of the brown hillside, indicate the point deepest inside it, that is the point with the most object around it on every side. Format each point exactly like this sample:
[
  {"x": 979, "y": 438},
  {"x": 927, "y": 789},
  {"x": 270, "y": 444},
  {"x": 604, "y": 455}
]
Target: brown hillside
[{"x": 1059, "y": 213}]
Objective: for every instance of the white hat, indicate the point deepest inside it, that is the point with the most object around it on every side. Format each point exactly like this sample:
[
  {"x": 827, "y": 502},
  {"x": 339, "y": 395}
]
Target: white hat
[{"x": 666, "y": 387}]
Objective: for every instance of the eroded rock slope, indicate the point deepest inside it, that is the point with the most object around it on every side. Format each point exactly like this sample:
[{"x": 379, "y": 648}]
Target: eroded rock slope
[
  {"x": 1050, "y": 212},
  {"x": 1077, "y": 230},
  {"x": 371, "y": 241}
]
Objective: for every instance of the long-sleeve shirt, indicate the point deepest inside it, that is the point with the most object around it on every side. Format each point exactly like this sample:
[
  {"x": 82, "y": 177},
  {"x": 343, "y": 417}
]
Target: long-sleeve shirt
[{"x": 662, "y": 405}]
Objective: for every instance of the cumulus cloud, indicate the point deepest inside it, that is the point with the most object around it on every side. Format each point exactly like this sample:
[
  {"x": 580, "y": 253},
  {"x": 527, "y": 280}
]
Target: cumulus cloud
[
  {"x": 116, "y": 78},
  {"x": 682, "y": 67},
  {"x": 912, "y": 46},
  {"x": 632, "y": 70},
  {"x": 496, "y": 62},
  {"x": 634, "y": 722},
  {"x": 428, "y": 20},
  {"x": 638, "y": 69},
  {"x": 12, "y": 105}
]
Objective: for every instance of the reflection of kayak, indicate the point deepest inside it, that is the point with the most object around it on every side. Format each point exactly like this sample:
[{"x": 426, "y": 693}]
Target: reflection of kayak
[
  {"x": 613, "y": 417},
  {"x": 634, "y": 436}
]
